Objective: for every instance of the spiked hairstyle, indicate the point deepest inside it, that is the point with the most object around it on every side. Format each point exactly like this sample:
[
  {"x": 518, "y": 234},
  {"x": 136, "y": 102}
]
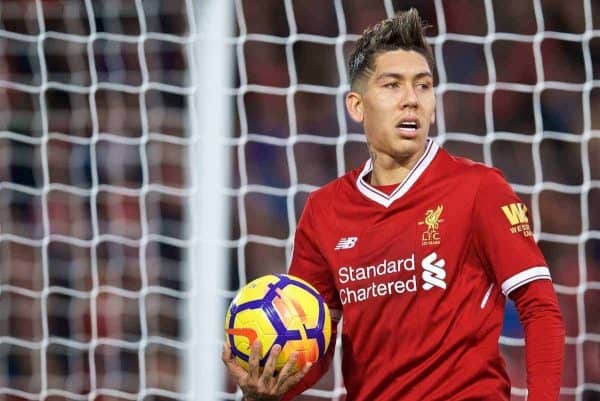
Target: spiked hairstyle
[{"x": 404, "y": 31}]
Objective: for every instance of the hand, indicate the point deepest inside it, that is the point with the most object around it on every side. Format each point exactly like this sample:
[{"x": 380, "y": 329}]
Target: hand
[{"x": 265, "y": 385}]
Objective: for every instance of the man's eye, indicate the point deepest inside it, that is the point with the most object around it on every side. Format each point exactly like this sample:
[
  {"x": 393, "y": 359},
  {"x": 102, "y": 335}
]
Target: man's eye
[
  {"x": 391, "y": 85},
  {"x": 423, "y": 85}
]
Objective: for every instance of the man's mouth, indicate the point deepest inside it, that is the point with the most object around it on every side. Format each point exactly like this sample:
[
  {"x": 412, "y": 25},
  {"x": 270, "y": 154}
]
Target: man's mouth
[{"x": 408, "y": 125}]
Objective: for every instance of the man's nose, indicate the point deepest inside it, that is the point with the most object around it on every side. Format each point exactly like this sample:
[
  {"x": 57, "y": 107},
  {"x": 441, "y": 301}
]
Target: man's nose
[{"x": 409, "y": 97}]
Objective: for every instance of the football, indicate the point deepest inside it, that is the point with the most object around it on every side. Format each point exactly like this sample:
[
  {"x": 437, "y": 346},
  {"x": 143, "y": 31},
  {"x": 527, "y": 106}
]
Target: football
[{"x": 278, "y": 309}]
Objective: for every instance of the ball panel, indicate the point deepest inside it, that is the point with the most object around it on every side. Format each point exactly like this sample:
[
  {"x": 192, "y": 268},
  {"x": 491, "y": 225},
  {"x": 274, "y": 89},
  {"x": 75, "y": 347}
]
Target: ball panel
[
  {"x": 305, "y": 304},
  {"x": 248, "y": 325},
  {"x": 308, "y": 351},
  {"x": 289, "y": 311},
  {"x": 255, "y": 290},
  {"x": 278, "y": 309},
  {"x": 318, "y": 319},
  {"x": 327, "y": 327}
]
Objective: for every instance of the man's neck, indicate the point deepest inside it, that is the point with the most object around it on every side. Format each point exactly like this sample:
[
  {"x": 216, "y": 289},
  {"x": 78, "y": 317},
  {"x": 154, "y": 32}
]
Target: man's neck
[{"x": 388, "y": 170}]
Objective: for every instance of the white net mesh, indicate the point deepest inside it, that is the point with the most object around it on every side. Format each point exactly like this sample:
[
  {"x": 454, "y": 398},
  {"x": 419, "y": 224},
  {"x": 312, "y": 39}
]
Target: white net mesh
[
  {"x": 92, "y": 195},
  {"x": 94, "y": 145},
  {"x": 517, "y": 86}
]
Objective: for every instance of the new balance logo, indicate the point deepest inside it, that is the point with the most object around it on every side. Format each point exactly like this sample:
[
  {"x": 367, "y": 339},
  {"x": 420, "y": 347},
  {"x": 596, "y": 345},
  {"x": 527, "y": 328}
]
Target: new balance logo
[
  {"x": 346, "y": 243},
  {"x": 433, "y": 272}
]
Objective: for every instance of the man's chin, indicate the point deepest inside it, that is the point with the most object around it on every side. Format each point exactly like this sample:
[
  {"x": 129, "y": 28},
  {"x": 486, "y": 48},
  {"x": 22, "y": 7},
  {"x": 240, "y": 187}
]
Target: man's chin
[{"x": 408, "y": 148}]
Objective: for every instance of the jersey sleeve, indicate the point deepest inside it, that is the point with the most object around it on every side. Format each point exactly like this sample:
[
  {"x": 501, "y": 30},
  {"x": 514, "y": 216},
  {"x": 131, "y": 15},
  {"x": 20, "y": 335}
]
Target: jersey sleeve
[
  {"x": 544, "y": 339},
  {"x": 504, "y": 236},
  {"x": 308, "y": 262}
]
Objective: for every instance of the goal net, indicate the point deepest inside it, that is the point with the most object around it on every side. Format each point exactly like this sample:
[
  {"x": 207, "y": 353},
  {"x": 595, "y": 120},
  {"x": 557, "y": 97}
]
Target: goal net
[{"x": 127, "y": 185}]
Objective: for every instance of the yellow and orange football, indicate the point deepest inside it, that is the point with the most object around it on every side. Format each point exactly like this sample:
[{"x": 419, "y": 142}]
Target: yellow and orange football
[{"x": 278, "y": 309}]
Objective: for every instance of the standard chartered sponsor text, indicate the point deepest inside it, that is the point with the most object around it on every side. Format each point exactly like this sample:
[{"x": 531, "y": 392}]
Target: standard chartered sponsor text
[{"x": 367, "y": 275}]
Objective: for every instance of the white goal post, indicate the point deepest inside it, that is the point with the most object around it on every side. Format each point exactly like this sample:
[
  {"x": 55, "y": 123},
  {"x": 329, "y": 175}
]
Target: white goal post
[{"x": 210, "y": 167}]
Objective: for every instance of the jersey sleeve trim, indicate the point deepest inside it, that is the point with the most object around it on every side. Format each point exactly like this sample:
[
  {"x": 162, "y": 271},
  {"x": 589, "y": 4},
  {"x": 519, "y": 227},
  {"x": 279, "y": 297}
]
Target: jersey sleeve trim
[{"x": 524, "y": 277}]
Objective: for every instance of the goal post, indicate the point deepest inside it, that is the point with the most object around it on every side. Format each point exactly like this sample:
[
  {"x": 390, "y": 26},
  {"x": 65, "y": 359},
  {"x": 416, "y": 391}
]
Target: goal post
[{"x": 211, "y": 74}]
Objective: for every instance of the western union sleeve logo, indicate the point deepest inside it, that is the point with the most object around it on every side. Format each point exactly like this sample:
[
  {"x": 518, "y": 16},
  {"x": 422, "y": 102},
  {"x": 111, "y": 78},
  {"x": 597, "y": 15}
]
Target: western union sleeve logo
[{"x": 516, "y": 213}]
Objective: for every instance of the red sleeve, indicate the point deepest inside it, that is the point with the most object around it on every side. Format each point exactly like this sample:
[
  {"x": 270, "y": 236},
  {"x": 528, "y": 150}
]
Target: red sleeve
[
  {"x": 544, "y": 339},
  {"x": 309, "y": 264},
  {"x": 308, "y": 261},
  {"x": 503, "y": 235}
]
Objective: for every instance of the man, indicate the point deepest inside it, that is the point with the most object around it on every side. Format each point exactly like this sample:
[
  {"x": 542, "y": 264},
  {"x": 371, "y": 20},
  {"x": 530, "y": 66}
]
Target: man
[{"x": 418, "y": 249}]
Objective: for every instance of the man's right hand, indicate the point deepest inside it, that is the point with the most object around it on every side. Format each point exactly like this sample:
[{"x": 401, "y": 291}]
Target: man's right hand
[{"x": 264, "y": 384}]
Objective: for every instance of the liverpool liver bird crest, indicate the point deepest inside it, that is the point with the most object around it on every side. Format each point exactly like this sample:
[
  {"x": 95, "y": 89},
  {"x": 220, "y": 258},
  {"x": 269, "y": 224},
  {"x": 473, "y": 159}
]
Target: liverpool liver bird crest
[{"x": 432, "y": 218}]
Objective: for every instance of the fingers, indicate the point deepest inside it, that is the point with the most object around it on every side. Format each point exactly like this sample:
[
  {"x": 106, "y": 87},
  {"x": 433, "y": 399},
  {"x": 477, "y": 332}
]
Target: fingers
[
  {"x": 254, "y": 361},
  {"x": 296, "y": 377},
  {"x": 290, "y": 375},
  {"x": 234, "y": 369},
  {"x": 265, "y": 382},
  {"x": 288, "y": 369},
  {"x": 269, "y": 370},
  {"x": 226, "y": 353}
]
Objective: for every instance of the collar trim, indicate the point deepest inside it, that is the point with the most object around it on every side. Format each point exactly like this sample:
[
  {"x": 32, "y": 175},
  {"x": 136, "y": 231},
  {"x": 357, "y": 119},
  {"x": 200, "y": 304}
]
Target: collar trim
[{"x": 413, "y": 175}]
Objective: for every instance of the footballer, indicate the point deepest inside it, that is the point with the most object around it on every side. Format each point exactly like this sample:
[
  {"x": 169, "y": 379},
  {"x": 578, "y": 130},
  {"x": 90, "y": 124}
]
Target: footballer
[{"x": 417, "y": 249}]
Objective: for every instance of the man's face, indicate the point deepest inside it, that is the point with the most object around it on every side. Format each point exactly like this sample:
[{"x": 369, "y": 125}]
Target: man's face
[{"x": 397, "y": 104}]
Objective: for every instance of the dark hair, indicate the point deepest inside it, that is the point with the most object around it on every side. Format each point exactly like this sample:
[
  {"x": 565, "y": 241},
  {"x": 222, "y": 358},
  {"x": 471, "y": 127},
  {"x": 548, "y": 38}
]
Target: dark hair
[{"x": 404, "y": 31}]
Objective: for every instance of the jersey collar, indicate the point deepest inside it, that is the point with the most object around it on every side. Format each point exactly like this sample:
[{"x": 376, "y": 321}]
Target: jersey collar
[{"x": 431, "y": 149}]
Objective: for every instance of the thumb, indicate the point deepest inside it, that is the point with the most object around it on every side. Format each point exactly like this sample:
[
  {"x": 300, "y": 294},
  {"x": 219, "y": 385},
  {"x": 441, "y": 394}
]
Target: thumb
[{"x": 234, "y": 369}]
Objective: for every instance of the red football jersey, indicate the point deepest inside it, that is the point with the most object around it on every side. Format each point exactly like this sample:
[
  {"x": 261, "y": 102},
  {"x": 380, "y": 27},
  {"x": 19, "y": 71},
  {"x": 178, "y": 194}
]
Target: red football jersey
[{"x": 421, "y": 276}]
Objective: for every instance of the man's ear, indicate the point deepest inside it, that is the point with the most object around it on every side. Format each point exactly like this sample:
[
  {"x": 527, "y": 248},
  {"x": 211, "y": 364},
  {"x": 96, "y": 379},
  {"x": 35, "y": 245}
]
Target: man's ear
[{"x": 354, "y": 105}]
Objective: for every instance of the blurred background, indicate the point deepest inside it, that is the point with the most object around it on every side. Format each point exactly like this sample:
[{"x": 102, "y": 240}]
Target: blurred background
[{"x": 97, "y": 159}]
